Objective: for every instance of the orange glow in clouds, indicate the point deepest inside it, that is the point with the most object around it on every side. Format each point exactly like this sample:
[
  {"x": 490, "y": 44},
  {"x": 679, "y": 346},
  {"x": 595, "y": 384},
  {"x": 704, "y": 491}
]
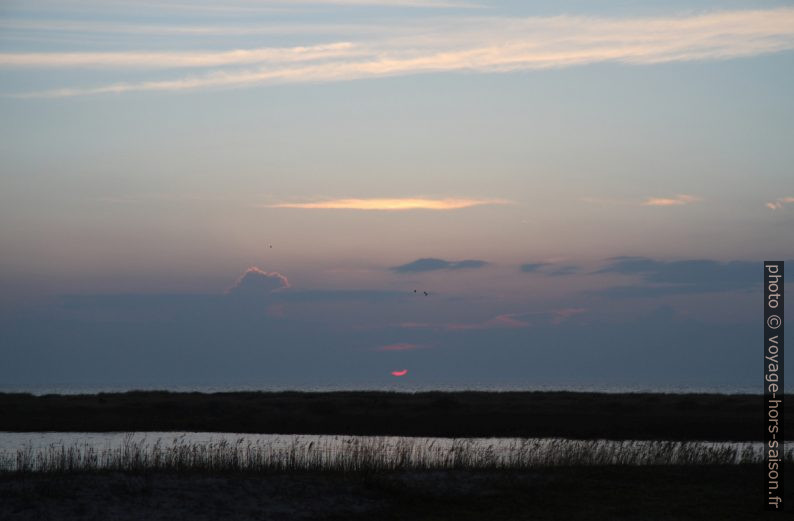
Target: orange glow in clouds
[
  {"x": 400, "y": 373},
  {"x": 407, "y": 203},
  {"x": 678, "y": 200}
]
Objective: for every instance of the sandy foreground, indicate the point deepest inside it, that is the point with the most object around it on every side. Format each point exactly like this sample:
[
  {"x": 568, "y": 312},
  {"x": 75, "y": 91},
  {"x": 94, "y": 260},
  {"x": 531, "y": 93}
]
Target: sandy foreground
[{"x": 594, "y": 493}]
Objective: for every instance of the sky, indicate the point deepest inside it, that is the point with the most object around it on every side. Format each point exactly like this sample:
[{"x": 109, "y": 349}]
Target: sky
[{"x": 326, "y": 192}]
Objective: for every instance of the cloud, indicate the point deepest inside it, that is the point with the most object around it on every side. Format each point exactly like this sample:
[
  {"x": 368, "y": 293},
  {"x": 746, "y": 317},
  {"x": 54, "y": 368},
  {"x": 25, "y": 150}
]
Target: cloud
[
  {"x": 233, "y": 7},
  {"x": 154, "y": 60},
  {"x": 318, "y": 295},
  {"x": 547, "y": 268},
  {"x": 532, "y": 267},
  {"x": 406, "y": 203},
  {"x": 431, "y": 264},
  {"x": 255, "y": 283},
  {"x": 270, "y": 5},
  {"x": 478, "y": 44},
  {"x": 226, "y": 29},
  {"x": 435, "y": 4},
  {"x": 415, "y": 325},
  {"x": 467, "y": 264},
  {"x": 563, "y": 270},
  {"x": 678, "y": 200},
  {"x": 505, "y": 321},
  {"x": 401, "y": 347},
  {"x": 659, "y": 278},
  {"x": 256, "y": 290},
  {"x": 777, "y": 204}
]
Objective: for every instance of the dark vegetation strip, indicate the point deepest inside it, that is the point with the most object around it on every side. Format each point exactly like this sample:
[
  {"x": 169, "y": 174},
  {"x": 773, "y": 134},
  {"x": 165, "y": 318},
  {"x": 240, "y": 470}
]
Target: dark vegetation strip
[
  {"x": 725, "y": 493},
  {"x": 640, "y": 416}
]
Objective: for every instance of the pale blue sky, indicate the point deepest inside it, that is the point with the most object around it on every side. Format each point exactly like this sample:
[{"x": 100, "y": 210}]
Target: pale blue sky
[{"x": 146, "y": 148}]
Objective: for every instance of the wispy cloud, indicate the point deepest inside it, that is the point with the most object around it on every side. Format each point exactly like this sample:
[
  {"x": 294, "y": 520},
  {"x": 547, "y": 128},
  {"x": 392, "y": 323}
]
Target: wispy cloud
[
  {"x": 506, "y": 321},
  {"x": 503, "y": 321},
  {"x": 532, "y": 267},
  {"x": 407, "y": 203},
  {"x": 562, "y": 271},
  {"x": 38, "y": 28},
  {"x": 550, "y": 269},
  {"x": 152, "y": 60},
  {"x": 431, "y": 264},
  {"x": 777, "y": 204},
  {"x": 269, "y": 4},
  {"x": 561, "y": 315},
  {"x": 678, "y": 200},
  {"x": 475, "y": 44},
  {"x": 383, "y": 3},
  {"x": 247, "y": 6}
]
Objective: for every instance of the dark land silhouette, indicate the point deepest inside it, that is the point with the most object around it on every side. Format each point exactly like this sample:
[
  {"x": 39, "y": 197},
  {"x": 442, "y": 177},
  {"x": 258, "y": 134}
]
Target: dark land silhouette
[{"x": 640, "y": 416}]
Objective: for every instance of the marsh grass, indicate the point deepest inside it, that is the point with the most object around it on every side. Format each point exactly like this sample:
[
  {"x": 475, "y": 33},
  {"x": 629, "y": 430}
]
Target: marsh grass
[{"x": 368, "y": 454}]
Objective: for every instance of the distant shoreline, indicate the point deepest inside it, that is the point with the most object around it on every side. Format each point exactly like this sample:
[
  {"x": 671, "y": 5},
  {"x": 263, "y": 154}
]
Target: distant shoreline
[
  {"x": 640, "y": 416},
  {"x": 402, "y": 387}
]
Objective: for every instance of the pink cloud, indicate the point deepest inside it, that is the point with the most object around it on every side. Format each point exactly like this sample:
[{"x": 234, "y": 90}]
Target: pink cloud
[
  {"x": 405, "y": 203},
  {"x": 404, "y": 346},
  {"x": 400, "y": 373}
]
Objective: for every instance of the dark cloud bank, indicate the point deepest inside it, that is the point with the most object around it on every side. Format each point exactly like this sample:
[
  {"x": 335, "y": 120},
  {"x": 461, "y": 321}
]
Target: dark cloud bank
[
  {"x": 659, "y": 278},
  {"x": 230, "y": 338}
]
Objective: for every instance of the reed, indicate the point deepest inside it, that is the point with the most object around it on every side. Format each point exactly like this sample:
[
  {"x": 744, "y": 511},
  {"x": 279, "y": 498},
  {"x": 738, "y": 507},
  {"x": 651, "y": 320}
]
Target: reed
[{"x": 368, "y": 454}]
